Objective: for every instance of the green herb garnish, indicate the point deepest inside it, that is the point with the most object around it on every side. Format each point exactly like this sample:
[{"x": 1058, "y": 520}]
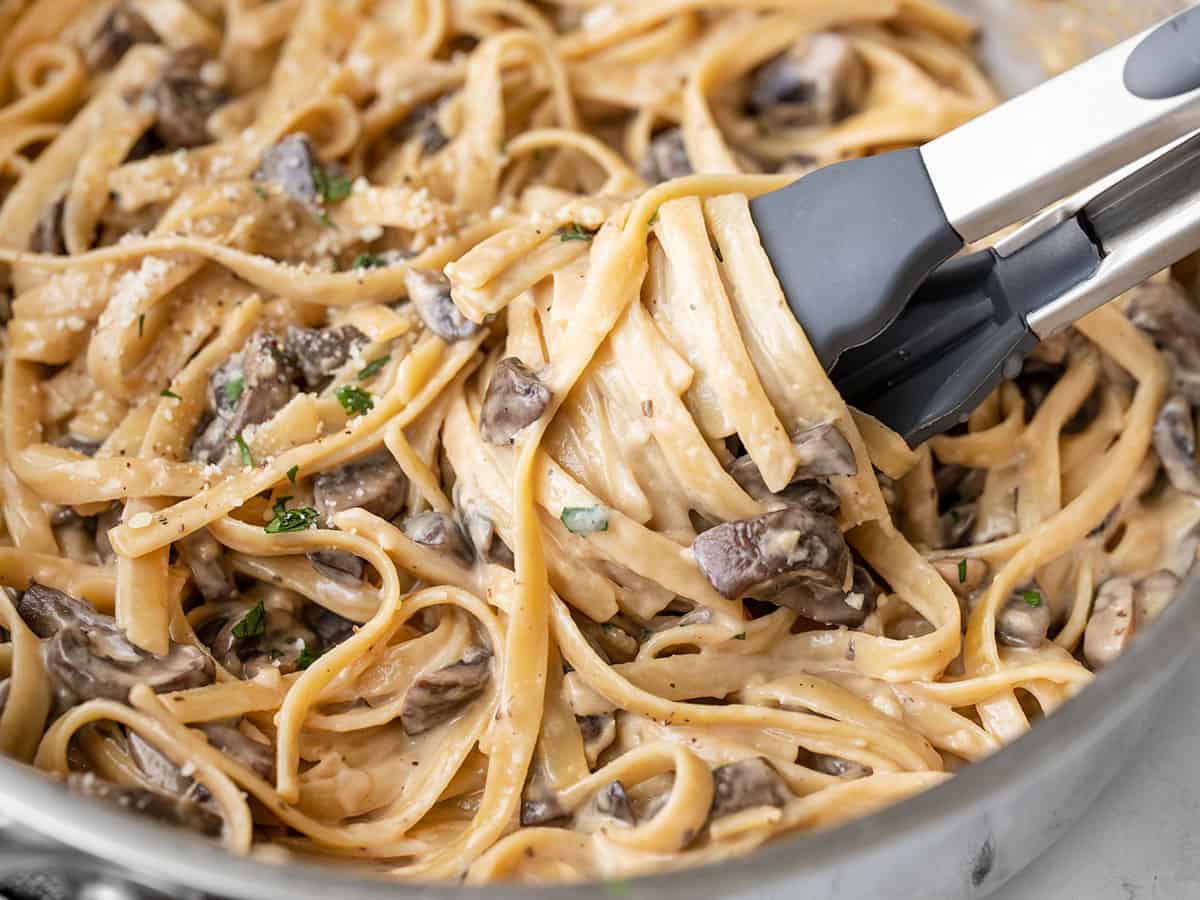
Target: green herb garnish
[
  {"x": 373, "y": 367},
  {"x": 652, "y": 219},
  {"x": 233, "y": 389},
  {"x": 286, "y": 519},
  {"x": 1033, "y": 598},
  {"x": 585, "y": 519},
  {"x": 307, "y": 657},
  {"x": 355, "y": 401},
  {"x": 141, "y": 324},
  {"x": 741, "y": 636},
  {"x": 291, "y": 474},
  {"x": 962, "y": 571},
  {"x": 276, "y": 653},
  {"x": 262, "y": 194},
  {"x": 167, "y": 392},
  {"x": 575, "y": 232},
  {"x": 368, "y": 261},
  {"x": 323, "y": 218},
  {"x": 247, "y": 459},
  {"x": 253, "y": 623},
  {"x": 332, "y": 188}
]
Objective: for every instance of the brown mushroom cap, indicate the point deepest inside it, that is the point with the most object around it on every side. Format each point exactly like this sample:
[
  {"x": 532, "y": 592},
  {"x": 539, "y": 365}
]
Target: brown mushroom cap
[
  {"x": 745, "y": 784},
  {"x": 1175, "y": 443},
  {"x": 1021, "y": 622},
  {"x": 320, "y": 352},
  {"x": 514, "y": 399},
  {"x": 175, "y": 811},
  {"x": 817, "y": 82},
  {"x": 665, "y": 158},
  {"x": 439, "y": 531},
  {"x": 375, "y": 483},
  {"x": 1112, "y": 624},
  {"x": 184, "y": 99},
  {"x": 429, "y": 292},
  {"x": 437, "y": 697}
]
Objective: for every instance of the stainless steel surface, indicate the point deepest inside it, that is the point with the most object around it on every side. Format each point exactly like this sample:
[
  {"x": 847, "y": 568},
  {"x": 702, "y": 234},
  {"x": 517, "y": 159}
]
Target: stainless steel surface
[
  {"x": 960, "y": 841},
  {"x": 1048, "y": 143}
]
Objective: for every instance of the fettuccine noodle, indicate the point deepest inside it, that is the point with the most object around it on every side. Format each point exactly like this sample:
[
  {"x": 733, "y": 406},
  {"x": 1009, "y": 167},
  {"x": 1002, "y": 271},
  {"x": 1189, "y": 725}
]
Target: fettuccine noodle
[{"x": 409, "y": 457}]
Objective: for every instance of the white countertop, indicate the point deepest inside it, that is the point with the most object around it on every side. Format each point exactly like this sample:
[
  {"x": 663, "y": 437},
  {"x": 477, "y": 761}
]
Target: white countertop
[{"x": 1141, "y": 839}]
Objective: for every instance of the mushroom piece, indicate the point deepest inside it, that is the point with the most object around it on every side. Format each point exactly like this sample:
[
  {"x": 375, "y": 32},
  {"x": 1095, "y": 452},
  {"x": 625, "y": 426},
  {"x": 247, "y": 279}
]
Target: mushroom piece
[
  {"x": 665, "y": 158},
  {"x": 375, "y": 483},
  {"x": 106, "y": 522},
  {"x": 829, "y": 604},
  {"x": 1164, "y": 311},
  {"x": 429, "y": 292},
  {"x": 439, "y": 531},
  {"x": 320, "y": 352},
  {"x": 247, "y": 389},
  {"x": 88, "y": 657},
  {"x": 436, "y": 697},
  {"x": 1024, "y": 620},
  {"x": 205, "y": 557},
  {"x": 482, "y": 532},
  {"x": 1112, "y": 623},
  {"x": 157, "y": 767},
  {"x": 184, "y": 96},
  {"x": 331, "y": 628},
  {"x": 82, "y": 445},
  {"x": 292, "y": 164},
  {"x": 422, "y": 123},
  {"x": 1175, "y": 443},
  {"x": 254, "y": 755},
  {"x": 608, "y": 808},
  {"x": 514, "y": 399},
  {"x": 340, "y": 565},
  {"x": 260, "y": 630},
  {"x": 764, "y": 555},
  {"x": 598, "y": 732},
  {"x": 1154, "y": 593},
  {"x": 176, "y": 811},
  {"x": 818, "y": 83},
  {"x": 47, "y": 234},
  {"x": 539, "y": 802},
  {"x": 121, "y": 29},
  {"x": 956, "y": 523},
  {"x": 823, "y": 453},
  {"x": 832, "y": 765},
  {"x": 746, "y": 784},
  {"x": 4, "y": 687}
]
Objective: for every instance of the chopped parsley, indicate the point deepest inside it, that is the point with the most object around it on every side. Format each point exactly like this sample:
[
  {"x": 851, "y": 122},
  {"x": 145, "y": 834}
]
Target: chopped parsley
[
  {"x": 333, "y": 188},
  {"x": 575, "y": 232},
  {"x": 247, "y": 459},
  {"x": 292, "y": 472},
  {"x": 262, "y": 194},
  {"x": 741, "y": 636},
  {"x": 286, "y": 519},
  {"x": 373, "y": 367},
  {"x": 652, "y": 220},
  {"x": 1033, "y": 598},
  {"x": 233, "y": 389},
  {"x": 368, "y": 261},
  {"x": 276, "y": 653},
  {"x": 141, "y": 324},
  {"x": 355, "y": 401},
  {"x": 253, "y": 623},
  {"x": 307, "y": 657},
  {"x": 167, "y": 392},
  {"x": 323, "y": 218},
  {"x": 962, "y": 571},
  {"x": 585, "y": 519}
]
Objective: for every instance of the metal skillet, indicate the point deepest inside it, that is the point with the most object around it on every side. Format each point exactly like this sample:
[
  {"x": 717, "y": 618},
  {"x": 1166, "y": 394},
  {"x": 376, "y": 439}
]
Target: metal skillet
[{"x": 960, "y": 841}]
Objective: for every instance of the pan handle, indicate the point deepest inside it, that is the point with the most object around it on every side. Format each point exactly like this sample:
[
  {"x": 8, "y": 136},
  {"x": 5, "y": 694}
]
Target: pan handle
[{"x": 1071, "y": 131}]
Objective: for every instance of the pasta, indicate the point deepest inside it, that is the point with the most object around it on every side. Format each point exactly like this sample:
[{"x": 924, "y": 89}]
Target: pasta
[{"x": 409, "y": 458}]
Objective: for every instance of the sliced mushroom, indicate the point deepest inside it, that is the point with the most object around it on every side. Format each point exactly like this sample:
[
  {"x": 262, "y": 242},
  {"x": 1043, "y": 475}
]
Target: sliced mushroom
[
  {"x": 246, "y": 639},
  {"x": 121, "y": 29},
  {"x": 254, "y": 755},
  {"x": 157, "y": 767},
  {"x": 823, "y": 452},
  {"x": 331, "y": 628},
  {"x": 665, "y": 158},
  {"x": 769, "y": 553},
  {"x": 340, "y": 565},
  {"x": 482, "y": 532},
  {"x": 47, "y": 611},
  {"x": 1164, "y": 311},
  {"x": 82, "y": 445},
  {"x": 4, "y": 688},
  {"x": 1112, "y": 623},
  {"x": 1024, "y": 620},
  {"x": 999, "y": 523},
  {"x": 438, "y": 696},
  {"x": 176, "y": 811},
  {"x": 320, "y": 352},
  {"x": 818, "y": 83},
  {"x": 829, "y": 604},
  {"x": 514, "y": 399},
  {"x": 956, "y": 523},
  {"x": 184, "y": 96},
  {"x": 1153, "y": 594},
  {"x": 598, "y": 732},
  {"x": 832, "y": 765},
  {"x": 439, "y": 531},
  {"x": 106, "y": 522},
  {"x": 247, "y": 389},
  {"x": 608, "y": 808},
  {"x": 375, "y": 483},
  {"x": 47, "y": 234},
  {"x": 539, "y": 803},
  {"x": 291, "y": 164},
  {"x": 205, "y": 557},
  {"x": 1175, "y": 443},
  {"x": 429, "y": 292},
  {"x": 422, "y": 123},
  {"x": 746, "y": 784}
]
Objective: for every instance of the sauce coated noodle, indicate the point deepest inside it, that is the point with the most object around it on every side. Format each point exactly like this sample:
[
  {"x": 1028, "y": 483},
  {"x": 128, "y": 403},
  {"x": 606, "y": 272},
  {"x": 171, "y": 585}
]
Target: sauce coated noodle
[{"x": 409, "y": 457}]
